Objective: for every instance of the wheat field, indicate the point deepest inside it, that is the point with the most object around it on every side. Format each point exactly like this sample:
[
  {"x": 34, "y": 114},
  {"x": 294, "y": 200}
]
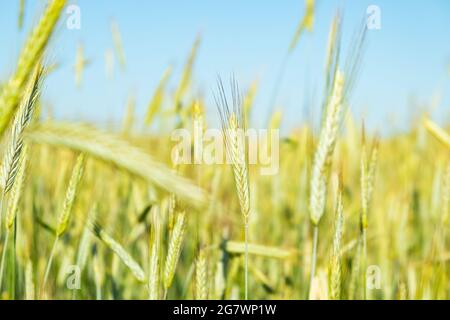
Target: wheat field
[{"x": 95, "y": 213}]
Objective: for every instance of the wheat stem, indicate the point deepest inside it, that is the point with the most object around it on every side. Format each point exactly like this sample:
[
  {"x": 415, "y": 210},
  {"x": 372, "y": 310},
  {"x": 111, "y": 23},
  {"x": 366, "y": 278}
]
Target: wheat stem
[
  {"x": 313, "y": 257},
  {"x": 2, "y": 264},
  {"x": 154, "y": 265},
  {"x": 246, "y": 261},
  {"x": 49, "y": 265}
]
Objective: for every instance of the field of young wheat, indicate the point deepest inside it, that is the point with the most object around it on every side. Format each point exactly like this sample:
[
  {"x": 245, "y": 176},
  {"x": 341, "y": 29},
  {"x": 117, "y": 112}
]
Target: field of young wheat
[{"x": 91, "y": 213}]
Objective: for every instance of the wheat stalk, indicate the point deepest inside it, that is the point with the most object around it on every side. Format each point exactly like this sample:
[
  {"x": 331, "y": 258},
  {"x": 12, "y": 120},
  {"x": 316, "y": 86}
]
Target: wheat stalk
[
  {"x": 335, "y": 263},
  {"x": 368, "y": 167},
  {"x": 155, "y": 247},
  {"x": 84, "y": 245},
  {"x": 446, "y": 197},
  {"x": 99, "y": 277},
  {"x": 29, "y": 57},
  {"x": 29, "y": 281},
  {"x": 85, "y": 241}
]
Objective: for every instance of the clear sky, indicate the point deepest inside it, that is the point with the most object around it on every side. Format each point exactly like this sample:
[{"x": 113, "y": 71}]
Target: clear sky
[{"x": 406, "y": 65}]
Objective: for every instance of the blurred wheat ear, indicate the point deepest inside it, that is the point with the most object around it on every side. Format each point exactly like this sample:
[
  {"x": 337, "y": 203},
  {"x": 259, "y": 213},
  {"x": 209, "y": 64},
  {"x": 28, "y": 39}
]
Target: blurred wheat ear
[
  {"x": 114, "y": 150},
  {"x": 437, "y": 132},
  {"x": 29, "y": 57}
]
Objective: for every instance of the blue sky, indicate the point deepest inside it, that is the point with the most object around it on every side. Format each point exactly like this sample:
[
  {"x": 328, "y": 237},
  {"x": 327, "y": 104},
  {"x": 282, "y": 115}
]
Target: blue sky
[{"x": 406, "y": 65}]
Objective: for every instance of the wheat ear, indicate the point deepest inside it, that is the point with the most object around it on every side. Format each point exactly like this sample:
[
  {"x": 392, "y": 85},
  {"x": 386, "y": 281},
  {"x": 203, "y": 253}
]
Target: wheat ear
[
  {"x": 158, "y": 97},
  {"x": 174, "y": 251},
  {"x": 64, "y": 217},
  {"x": 324, "y": 151},
  {"x": 117, "y": 248},
  {"x": 186, "y": 76},
  {"x": 201, "y": 276},
  {"x": 437, "y": 132},
  {"x": 306, "y": 23},
  {"x": 119, "y": 152},
  {"x": 233, "y": 128},
  {"x": 31, "y": 53},
  {"x": 22, "y": 120},
  {"x": 71, "y": 193},
  {"x": 118, "y": 46},
  {"x": 13, "y": 203},
  {"x": 322, "y": 162},
  {"x": 11, "y": 164}
]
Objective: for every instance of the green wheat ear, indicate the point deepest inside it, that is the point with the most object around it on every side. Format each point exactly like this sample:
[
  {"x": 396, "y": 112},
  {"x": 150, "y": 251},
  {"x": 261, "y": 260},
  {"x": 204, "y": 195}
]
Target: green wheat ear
[
  {"x": 201, "y": 275},
  {"x": 23, "y": 118},
  {"x": 29, "y": 57},
  {"x": 119, "y": 250},
  {"x": 175, "y": 246},
  {"x": 233, "y": 131},
  {"x": 71, "y": 193},
  {"x": 325, "y": 149}
]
